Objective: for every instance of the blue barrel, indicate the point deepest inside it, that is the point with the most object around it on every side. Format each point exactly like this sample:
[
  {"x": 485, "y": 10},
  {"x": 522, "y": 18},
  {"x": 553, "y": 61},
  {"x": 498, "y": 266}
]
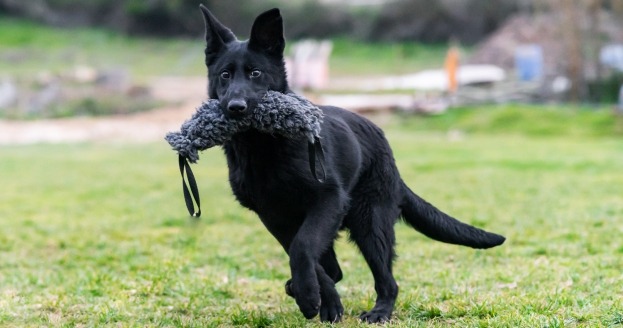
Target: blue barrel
[{"x": 529, "y": 62}]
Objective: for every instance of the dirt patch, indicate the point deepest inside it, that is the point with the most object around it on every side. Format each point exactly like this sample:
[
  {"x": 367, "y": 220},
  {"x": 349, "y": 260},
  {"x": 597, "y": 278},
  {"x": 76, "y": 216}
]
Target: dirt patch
[{"x": 150, "y": 126}]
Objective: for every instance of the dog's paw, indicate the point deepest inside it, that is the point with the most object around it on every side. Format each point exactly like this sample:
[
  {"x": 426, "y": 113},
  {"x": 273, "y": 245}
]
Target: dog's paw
[
  {"x": 375, "y": 316},
  {"x": 331, "y": 309},
  {"x": 307, "y": 297},
  {"x": 308, "y": 305}
]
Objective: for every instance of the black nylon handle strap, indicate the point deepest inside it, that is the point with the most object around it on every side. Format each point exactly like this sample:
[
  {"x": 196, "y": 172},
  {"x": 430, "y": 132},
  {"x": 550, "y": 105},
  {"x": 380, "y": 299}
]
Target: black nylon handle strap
[
  {"x": 315, "y": 152},
  {"x": 193, "y": 193}
]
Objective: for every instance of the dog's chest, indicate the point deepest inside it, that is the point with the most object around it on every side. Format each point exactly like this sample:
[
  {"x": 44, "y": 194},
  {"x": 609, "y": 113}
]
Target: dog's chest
[{"x": 270, "y": 178}]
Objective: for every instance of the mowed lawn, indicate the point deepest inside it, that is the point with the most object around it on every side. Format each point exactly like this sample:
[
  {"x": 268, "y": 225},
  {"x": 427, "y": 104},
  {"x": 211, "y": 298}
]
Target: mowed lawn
[{"x": 98, "y": 235}]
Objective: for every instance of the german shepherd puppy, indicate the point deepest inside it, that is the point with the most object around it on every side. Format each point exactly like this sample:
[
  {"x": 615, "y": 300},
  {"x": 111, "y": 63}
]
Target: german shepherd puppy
[{"x": 362, "y": 193}]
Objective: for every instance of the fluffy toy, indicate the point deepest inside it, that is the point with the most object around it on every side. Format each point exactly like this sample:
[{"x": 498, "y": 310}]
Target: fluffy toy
[{"x": 288, "y": 115}]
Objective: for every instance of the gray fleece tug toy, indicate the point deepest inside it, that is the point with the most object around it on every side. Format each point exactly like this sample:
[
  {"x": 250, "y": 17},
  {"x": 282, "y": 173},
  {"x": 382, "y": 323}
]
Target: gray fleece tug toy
[{"x": 288, "y": 115}]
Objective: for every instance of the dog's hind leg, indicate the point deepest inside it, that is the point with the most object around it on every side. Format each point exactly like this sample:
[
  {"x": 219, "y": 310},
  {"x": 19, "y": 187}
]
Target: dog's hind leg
[{"x": 372, "y": 230}]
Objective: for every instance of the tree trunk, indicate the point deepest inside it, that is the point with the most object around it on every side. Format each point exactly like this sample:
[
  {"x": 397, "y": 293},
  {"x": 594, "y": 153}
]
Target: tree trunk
[
  {"x": 595, "y": 39},
  {"x": 572, "y": 37}
]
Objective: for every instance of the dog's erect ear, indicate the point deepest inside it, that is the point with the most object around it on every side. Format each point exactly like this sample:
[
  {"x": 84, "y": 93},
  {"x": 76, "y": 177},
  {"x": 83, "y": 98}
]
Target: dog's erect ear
[
  {"x": 217, "y": 35},
  {"x": 267, "y": 33}
]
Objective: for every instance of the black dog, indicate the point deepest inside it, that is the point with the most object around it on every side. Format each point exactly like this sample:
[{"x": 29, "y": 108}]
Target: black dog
[{"x": 362, "y": 192}]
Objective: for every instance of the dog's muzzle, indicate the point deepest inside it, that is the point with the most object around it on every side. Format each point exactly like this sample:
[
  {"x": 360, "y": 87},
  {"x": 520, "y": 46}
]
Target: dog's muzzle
[{"x": 237, "y": 106}]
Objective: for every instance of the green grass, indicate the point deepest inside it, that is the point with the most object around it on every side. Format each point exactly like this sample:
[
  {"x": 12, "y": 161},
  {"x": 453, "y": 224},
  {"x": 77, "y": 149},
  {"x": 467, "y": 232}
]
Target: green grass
[
  {"x": 521, "y": 119},
  {"x": 29, "y": 49},
  {"x": 98, "y": 235}
]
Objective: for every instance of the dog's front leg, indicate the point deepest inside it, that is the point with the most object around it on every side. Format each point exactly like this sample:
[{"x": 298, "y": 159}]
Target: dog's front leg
[{"x": 313, "y": 238}]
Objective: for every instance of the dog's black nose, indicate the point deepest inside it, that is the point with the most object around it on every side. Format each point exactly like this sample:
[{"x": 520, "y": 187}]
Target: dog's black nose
[{"x": 237, "y": 106}]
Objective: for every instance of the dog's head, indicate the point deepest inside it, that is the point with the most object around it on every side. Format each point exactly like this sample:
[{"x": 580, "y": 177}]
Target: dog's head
[{"x": 241, "y": 72}]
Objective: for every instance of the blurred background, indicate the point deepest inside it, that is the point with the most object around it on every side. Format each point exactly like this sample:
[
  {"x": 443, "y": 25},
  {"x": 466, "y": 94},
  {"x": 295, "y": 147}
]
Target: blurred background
[
  {"x": 71, "y": 58},
  {"x": 505, "y": 113}
]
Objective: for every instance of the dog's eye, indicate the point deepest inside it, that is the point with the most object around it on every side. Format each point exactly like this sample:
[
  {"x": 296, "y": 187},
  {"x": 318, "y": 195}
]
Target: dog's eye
[
  {"x": 256, "y": 73},
  {"x": 225, "y": 75}
]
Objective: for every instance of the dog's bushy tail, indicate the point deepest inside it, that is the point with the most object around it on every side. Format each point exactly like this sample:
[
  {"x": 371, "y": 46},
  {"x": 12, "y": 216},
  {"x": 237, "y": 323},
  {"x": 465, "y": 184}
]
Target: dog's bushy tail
[{"x": 439, "y": 226}]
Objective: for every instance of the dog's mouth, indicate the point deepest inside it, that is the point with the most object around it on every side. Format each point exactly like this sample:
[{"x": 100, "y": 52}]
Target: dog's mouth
[{"x": 236, "y": 115}]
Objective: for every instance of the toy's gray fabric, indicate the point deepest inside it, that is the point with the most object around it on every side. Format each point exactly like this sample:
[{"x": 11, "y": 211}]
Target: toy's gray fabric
[{"x": 289, "y": 115}]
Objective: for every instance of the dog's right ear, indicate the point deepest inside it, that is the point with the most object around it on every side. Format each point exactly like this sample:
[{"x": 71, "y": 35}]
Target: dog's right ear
[{"x": 217, "y": 35}]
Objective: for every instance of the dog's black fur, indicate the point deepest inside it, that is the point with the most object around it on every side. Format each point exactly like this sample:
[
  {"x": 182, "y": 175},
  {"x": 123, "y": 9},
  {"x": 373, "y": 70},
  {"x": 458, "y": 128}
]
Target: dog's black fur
[{"x": 363, "y": 192}]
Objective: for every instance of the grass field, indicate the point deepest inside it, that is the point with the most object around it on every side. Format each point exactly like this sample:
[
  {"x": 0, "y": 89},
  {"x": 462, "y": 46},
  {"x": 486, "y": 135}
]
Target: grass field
[
  {"x": 97, "y": 235},
  {"x": 28, "y": 49}
]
